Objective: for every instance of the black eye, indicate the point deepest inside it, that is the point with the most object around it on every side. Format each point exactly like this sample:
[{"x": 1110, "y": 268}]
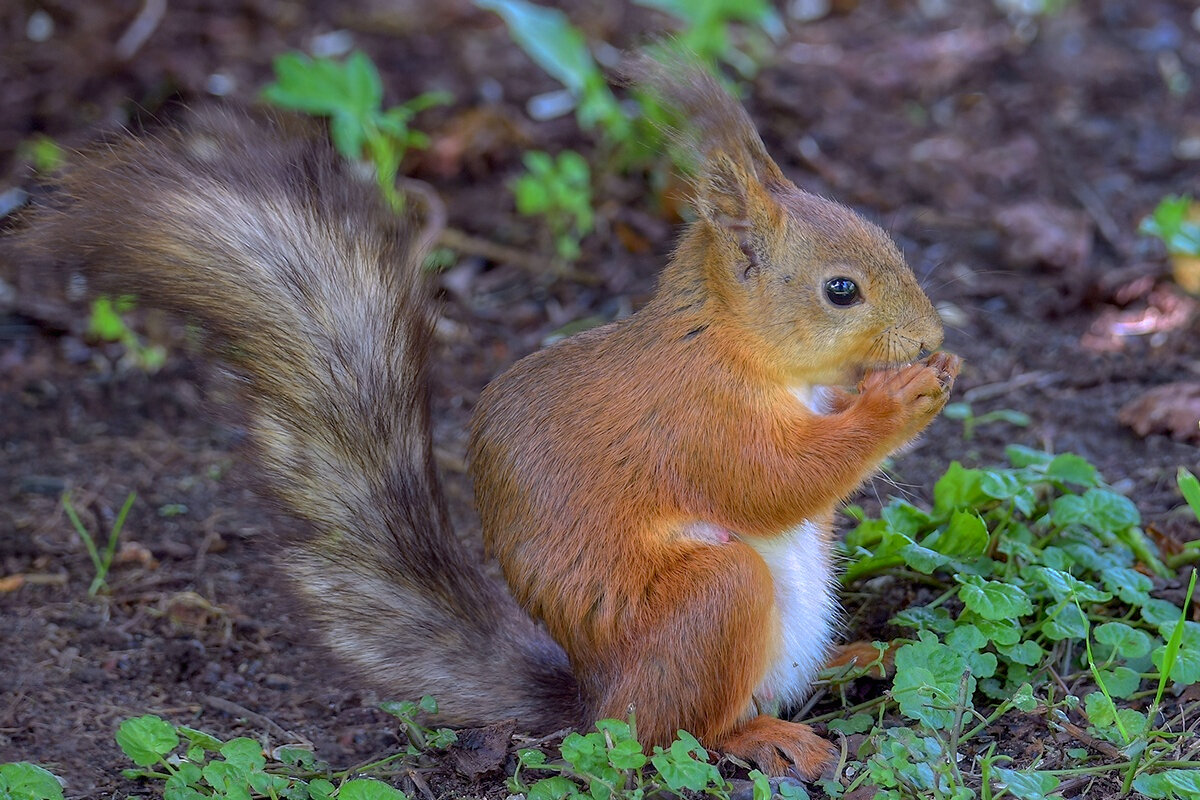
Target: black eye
[{"x": 841, "y": 291}]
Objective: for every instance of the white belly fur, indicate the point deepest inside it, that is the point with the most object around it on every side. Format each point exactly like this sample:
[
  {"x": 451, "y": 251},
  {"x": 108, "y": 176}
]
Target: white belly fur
[{"x": 805, "y": 608}]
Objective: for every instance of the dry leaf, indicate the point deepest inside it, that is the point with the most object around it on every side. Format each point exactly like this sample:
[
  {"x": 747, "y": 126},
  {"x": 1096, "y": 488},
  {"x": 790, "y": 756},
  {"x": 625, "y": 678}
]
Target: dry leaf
[{"x": 1173, "y": 409}]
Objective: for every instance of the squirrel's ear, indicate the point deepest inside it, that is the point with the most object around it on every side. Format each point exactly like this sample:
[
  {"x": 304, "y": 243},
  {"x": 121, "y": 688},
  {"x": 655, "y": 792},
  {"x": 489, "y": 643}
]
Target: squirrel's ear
[
  {"x": 731, "y": 198},
  {"x": 727, "y": 194}
]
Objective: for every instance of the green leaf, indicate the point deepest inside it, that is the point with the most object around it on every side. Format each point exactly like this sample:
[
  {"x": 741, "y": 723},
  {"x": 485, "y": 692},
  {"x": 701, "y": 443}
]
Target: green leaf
[
  {"x": 958, "y": 488},
  {"x": 186, "y": 775},
  {"x": 927, "y": 679},
  {"x": 1183, "y": 784},
  {"x": 200, "y": 738},
  {"x": 1111, "y": 511},
  {"x": 25, "y": 781},
  {"x": 1000, "y": 631},
  {"x": 966, "y": 535},
  {"x": 346, "y": 131},
  {"x": 1128, "y": 584},
  {"x": 146, "y": 739},
  {"x": 227, "y": 779},
  {"x": 1121, "y": 681},
  {"x": 1028, "y": 653},
  {"x": 1189, "y": 487},
  {"x": 245, "y": 754},
  {"x": 1170, "y": 223},
  {"x": 966, "y": 639},
  {"x": 1000, "y": 484},
  {"x": 531, "y": 758},
  {"x": 1027, "y": 785},
  {"x": 762, "y": 785},
  {"x": 957, "y": 411},
  {"x": 856, "y": 723},
  {"x": 1185, "y": 668},
  {"x": 553, "y": 788},
  {"x": 1023, "y": 699},
  {"x": 925, "y": 618},
  {"x": 106, "y": 322},
  {"x": 320, "y": 789},
  {"x": 1071, "y": 468},
  {"x": 315, "y": 86},
  {"x": 627, "y": 754},
  {"x": 549, "y": 39},
  {"x": 681, "y": 767},
  {"x": 1020, "y": 456},
  {"x": 1160, "y": 613},
  {"x": 1100, "y": 711},
  {"x": 363, "y": 85},
  {"x": 790, "y": 789},
  {"x": 1129, "y": 642},
  {"x": 369, "y": 789},
  {"x": 992, "y": 599},
  {"x": 922, "y": 559},
  {"x": 905, "y": 518},
  {"x": 1064, "y": 586},
  {"x": 428, "y": 704},
  {"x": 1064, "y": 620}
]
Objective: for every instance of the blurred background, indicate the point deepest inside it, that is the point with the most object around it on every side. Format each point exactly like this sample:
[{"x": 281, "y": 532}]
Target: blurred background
[{"x": 1031, "y": 157}]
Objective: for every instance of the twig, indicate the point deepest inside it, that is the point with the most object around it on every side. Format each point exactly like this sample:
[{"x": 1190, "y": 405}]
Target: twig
[
  {"x": 435, "y": 211},
  {"x": 473, "y": 245},
  {"x": 1091, "y": 741},
  {"x": 1084, "y": 193},
  {"x": 987, "y": 391},
  {"x": 547, "y": 738},
  {"x": 420, "y": 783},
  {"x": 143, "y": 25},
  {"x": 232, "y": 708}
]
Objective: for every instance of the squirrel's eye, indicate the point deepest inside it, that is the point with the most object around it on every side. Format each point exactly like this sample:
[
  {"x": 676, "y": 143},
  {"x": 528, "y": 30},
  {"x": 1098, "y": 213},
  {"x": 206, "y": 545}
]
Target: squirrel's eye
[{"x": 841, "y": 291}]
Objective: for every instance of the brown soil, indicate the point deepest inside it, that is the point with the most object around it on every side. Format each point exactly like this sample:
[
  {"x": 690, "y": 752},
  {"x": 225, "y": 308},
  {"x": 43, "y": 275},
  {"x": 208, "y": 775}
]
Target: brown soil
[{"x": 1012, "y": 161}]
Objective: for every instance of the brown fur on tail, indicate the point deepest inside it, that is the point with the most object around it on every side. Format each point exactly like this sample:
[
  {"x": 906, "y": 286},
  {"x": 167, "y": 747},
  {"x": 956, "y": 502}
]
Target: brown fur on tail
[{"x": 310, "y": 289}]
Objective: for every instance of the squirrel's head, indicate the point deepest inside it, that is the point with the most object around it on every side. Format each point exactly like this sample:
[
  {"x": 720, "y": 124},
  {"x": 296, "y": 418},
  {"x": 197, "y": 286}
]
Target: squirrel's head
[{"x": 820, "y": 291}]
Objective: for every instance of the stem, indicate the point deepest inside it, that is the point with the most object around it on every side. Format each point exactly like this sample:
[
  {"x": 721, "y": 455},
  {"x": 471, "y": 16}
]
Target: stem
[
  {"x": 875, "y": 701},
  {"x": 1000, "y": 711}
]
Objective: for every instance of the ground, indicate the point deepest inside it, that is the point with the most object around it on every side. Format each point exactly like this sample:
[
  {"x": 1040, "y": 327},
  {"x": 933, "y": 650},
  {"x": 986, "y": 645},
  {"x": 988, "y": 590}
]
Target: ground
[{"x": 1011, "y": 158}]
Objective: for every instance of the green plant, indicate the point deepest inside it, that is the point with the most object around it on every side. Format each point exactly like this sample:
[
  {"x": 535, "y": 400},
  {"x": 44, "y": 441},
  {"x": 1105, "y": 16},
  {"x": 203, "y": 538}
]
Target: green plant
[
  {"x": 350, "y": 94},
  {"x": 609, "y": 762},
  {"x": 45, "y": 154},
  {"x": 559, "y": 190},
  {"x": 1038, "y": 571},
  {"x": 194, "y": 764},
  {"x": 561, "y": 49},
  {"x": 708, "y": 25},
  {"x": 101, "y": 561},
  {"x": 971, "y": 421},
  {"x": 1170, "y": 222},
  {"x": 107, "y": 323},
  {"x": 24, "y": 781},
  {"x": 420, "y": 738}
]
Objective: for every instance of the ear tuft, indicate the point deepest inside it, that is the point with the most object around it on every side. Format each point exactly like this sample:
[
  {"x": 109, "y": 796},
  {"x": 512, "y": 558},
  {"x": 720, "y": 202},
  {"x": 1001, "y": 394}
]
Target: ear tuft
[{"x": 708, "y": 122}]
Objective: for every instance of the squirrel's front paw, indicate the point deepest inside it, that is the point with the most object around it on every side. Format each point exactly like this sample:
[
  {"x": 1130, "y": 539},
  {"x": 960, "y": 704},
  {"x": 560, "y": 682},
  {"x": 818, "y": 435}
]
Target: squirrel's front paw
[
  {"x": 913, "y": 394},
  {"x": 781, "y": 748}
]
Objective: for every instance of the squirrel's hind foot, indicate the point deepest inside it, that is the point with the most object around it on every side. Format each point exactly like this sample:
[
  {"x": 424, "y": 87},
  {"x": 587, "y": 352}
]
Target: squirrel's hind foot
[{"x": 781, "y": 748}]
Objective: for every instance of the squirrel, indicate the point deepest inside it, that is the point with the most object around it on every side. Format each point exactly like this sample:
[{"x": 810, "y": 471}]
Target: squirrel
[{"x": 659, "y": 491}]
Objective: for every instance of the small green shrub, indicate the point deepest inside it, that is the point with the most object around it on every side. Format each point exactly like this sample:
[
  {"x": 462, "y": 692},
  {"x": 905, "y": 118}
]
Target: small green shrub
[
  {"x": 24, "y": 781},
  {"x": 101, "y": 560},
  {"x": 1170, "y": 222},
  {"x": 350, "y": 94},
  {"x": 107, "y": 323},
  {"x": 560, "y": 191}
]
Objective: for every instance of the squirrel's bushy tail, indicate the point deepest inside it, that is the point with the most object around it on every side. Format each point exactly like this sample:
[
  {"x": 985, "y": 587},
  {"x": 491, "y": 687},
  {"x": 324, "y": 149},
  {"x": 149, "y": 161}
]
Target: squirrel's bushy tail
[{"x": 310, "y": 289}]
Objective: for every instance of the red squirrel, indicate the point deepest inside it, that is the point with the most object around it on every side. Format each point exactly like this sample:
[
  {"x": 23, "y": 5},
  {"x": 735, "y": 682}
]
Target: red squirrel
[{"x": 658, "y": 491}]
